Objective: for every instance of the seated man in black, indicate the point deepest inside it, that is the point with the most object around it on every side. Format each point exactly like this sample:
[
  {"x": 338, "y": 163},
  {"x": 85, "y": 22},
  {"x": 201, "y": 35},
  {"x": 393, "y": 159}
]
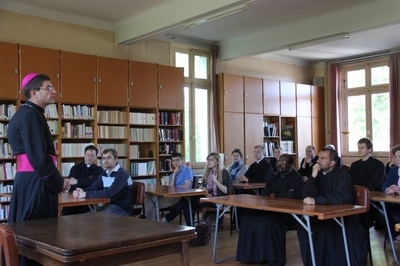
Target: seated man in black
[
  {"x": 308, "y": 162},
  {"x": 83, "y": 175},
  {"x": 260, "y": 170},
  {"x": 262, "y": 233}
]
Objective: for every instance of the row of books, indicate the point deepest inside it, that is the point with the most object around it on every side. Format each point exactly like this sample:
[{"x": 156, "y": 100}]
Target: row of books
[
  {"x": 142, "y": 134},
  {"x": 119, "y": 147},
  {"x": 165, "y": 165},
  {"x": 4, "y": 209},
  {"x": 168, "y": 148},
  {"x": 7, "y": 170},
  {"x": 66, "y": 168},
  {"x": 170, "y": 134},
  {"x": 115, "y": 132},
  {"x": 142, "y": 118},
  {"x": 5, "y": 199},
  {"x": 170, "y": 118},
  {"x": 143, "y": 168},
  {"x": 77, "y": 131},
  {"x": 287, "y": 146},
  {"x": 5, "y": 189},
  {"x": 7, "y": 111},
  {"x": 5, "y": 149},
  {"x": 269, "y": 147},
  {"x": 77, "y": 112},
  {"x": 3, "y": 130},
  {"x": 51, "y": 111},
  {"x": 270, "y": 130},
  {"x": 73, "y": 149},
  {"x": 111, "y": 117}
]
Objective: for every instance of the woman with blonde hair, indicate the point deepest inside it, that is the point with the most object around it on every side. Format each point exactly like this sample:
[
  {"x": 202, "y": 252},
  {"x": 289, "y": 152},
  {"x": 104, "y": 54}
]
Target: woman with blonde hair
[{"x": 216, "y": 181}]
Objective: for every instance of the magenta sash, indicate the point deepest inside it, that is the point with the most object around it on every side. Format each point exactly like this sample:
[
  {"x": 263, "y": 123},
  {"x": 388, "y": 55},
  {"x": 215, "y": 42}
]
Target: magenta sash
[{"x": 23, "y": 164}]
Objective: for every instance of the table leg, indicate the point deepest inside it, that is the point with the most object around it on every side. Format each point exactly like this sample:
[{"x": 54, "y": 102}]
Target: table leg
[
  {"x": 219, "y": 206},
  {"x": 307, "y": 227},
  {"x": 157, "y": 208},
  {"x": 185, "y": 258},
  {"x": 190, "y": 211},
  {"x": 346, "y": 248}
]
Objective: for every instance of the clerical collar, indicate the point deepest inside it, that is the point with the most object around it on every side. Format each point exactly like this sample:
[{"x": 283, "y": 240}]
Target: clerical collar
[
  {"x": 284, "y": 174},
  {"x": 258, "y": 161}
]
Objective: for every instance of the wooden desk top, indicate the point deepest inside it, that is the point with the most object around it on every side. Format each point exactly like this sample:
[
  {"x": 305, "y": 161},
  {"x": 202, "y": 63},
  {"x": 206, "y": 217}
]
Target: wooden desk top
[
  {"x": 294, "y": 206},
  {"x": 172, "y": 192},
  {"x": 85, "y": 236},
  {"x": 246, "y": 185},
  {"x": 65, "y": 199},
  {"x": 380, "y": 196}
]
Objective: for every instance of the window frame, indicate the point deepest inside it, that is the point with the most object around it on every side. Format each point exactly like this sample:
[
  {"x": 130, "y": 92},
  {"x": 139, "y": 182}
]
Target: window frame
[
  {"x": 368, "y": 90},
  {"x": 193, "y": 83}
]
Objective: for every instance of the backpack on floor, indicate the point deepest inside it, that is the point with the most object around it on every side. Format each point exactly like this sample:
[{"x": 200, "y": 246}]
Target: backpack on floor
[{"x": 203, "y": 231}]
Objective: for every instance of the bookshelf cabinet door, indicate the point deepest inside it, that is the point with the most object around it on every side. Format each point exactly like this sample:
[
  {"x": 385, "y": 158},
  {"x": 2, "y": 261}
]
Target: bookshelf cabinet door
[
  {"x": 143, "y": 85},
  {"x": 78, "y": 78},
  {"x": 272, "y": 97},
  {"x": 253, "y": 95},
  {"x": 9, "y": 71},
  {"x": 41, "y": 61},
  {"x": 304, "y": 136},
  {"x": 112, "y": 82},
  {"x": 170, "y": 83},
  {"x": 288, "y": 99},
  {"x": 233, "y": 134},
  {"x": 317, "y": 101},
  {"x": 303, "y": 94},
  {"x": 231, "y": 92},
  {"x": 254, "y": 133}
]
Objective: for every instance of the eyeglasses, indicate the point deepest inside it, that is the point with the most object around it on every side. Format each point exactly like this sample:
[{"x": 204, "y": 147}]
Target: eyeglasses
[
  {"x": 281, "y": 162},
  {"x": 107, "y": 158},
  {"x": 48, "y": 88},
  {"x": 212, "y": 160}
]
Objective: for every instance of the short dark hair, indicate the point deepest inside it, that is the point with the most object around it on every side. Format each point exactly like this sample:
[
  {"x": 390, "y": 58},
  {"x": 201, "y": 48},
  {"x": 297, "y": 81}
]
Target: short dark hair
[
  {"x": 113, "y": 151},
  {"x": 92, "y": 147},
  {"x": 395, "y": 148},
  {"x": 333, "y": 155},
  {"x": 312, "y": 147},
  {"x": 176, "y": 154},
  {"x": 237, "y": 151},
  {"x": 367, "y": 142},
  {"x": 34, "y": 84}
]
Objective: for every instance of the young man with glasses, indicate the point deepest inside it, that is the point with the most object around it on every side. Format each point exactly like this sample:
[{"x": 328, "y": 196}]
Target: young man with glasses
[
  {"x": 83, "y": 175},
  {"x": 114, "y": 183}
]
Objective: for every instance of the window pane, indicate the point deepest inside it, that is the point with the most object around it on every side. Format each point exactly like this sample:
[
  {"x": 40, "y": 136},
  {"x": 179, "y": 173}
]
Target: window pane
[
  {"x": 187, "y": 123},
  {"x": 182, "y": 60},
  {"x": 200, "y": 67},
  {"x": 356, "y": 120},
  {"x": 380, "y": 121},
  {"x": 379, "y": 75},
  {"x": 356, "y": 78},
  {"x": 201, "y": 124}
]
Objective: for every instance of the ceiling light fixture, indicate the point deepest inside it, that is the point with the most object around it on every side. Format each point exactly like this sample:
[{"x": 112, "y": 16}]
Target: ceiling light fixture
[
  {"x": 330, "y": 38},
  {"x": 216, "y": 15}
]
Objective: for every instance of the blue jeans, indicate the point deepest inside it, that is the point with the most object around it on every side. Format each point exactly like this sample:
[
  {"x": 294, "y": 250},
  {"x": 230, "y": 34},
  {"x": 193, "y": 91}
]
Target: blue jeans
[{"x": 111, "y": 208}]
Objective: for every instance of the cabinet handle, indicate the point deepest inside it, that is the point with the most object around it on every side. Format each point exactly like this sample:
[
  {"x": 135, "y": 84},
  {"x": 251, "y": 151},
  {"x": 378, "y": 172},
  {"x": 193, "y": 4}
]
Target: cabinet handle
[
  {"x": 94, "y": 79},
  {"x": 99, "y": 80},
  {"x": 58, "y": 75},
  {"x": 224, "y": 92},
  {"x": 15, "y": 71},
  {"x": 160, "y": 86},
  {"x": 131, "y": 83},
  {"x": 245, "y": 94}
]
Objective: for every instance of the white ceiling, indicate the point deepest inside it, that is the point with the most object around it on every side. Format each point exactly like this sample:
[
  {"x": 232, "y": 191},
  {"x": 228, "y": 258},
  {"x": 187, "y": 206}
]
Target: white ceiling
[{"x": 266, "y": 28}]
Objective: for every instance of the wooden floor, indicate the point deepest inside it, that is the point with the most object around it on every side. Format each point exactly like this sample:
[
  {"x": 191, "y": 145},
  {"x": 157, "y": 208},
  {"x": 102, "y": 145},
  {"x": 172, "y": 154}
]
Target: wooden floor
[{"x": 202, "y": 256}]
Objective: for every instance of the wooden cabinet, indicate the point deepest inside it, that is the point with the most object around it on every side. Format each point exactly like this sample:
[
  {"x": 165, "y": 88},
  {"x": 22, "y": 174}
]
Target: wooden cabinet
[
  {"x": 318, "y": 117},
  {"x": 304, "y": 136},
  {"x": 9, "y": 71},
  {"x": 253, "y": 135},
  {"x": 231, "y": 92},
  {"x": 303, "y": 95},
  {"x": 253, "y": 91},
  {"x": 112, "y": 82},
  {"x": 233, "y": 134},
  {"x": 142, "y": 84},
  {"x": 78, "y": 78},
  {"x": 288, "y": 99},
  {"x": 271, "y": 97},
  {"x": 170, "y": 83},
  {"x": 41, "y": 61}
]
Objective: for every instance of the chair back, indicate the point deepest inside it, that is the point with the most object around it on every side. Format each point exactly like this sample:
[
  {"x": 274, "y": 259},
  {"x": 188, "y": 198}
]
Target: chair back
[
  {"x": 346, "y": 167},
  {"x": 195, "y": 182},
  {"x": 139, "y": 190},
  {"x": 361, "y": 196},
  {"x": 9, "y": 255}
]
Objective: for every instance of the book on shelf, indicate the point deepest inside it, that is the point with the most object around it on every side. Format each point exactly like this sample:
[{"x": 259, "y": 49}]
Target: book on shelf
[
  {"x": 287, "y": 132},
  {"x": 269, "y": 147}
]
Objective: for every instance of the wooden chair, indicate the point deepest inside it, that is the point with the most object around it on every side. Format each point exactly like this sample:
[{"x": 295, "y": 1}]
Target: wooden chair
[
  {"x": 361, "y": 197},
  {"x": 139, "y": 192},
  {"x": 346, "y": 167},
  {"x": 9, "y": 255}
]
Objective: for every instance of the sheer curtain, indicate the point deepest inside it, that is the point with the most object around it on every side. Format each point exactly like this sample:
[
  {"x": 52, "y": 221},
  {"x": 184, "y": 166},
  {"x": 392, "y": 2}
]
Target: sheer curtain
[
  {"x": 334, "y": 106},
  {"x": 214, "y": 134},
  {"x": 394, "y": 92}
]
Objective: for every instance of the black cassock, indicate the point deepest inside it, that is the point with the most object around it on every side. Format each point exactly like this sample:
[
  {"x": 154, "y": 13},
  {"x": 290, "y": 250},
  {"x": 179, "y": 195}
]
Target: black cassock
[
  {"x": 262, "y": 235},
  {"x": 336, "y": 187}
]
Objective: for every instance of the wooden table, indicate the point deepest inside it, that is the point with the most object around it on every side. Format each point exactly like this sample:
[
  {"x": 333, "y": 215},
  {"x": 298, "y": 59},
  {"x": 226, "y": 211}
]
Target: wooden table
[
  {"x": 382, "y": 198},
  {"x": 255, "y": 186},
  {"x": 100, "y": 238},
  {"x": 66, "y": 199},
  {"x": 295, "y": 207},
  {"x": 173, "y": 192}
]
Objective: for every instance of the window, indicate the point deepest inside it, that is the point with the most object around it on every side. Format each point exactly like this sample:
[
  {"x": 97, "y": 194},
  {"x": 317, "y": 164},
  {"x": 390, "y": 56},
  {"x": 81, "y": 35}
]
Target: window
[
  {"x": 365, "y": 104},
  {"x": 196, "y": 66}
]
